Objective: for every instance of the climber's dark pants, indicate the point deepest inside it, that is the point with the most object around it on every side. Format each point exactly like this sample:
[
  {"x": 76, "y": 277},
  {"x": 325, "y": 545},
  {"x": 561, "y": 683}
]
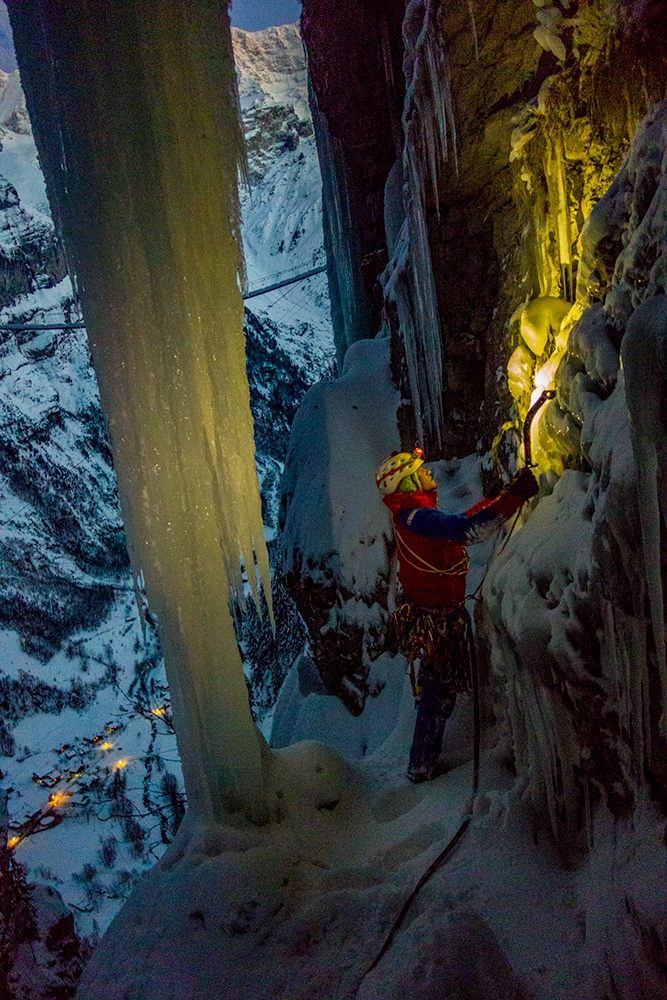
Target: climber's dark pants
[
  {"x": 441, "y": 638},
  {"x": 436, "y": 704}
]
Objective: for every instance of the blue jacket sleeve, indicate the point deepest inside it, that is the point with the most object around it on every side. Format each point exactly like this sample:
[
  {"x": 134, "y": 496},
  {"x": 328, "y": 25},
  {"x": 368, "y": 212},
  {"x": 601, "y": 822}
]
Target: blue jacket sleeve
[{"x": 465, "y": 529}]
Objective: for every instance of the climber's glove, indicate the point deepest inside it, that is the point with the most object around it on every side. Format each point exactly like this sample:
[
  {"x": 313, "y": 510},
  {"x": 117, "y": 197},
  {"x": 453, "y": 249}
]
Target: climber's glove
[{"x": 523, "y": 486}]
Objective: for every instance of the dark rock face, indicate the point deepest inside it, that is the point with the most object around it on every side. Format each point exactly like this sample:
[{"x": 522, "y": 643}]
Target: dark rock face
[
  {"x": 49, "y": 965},
  {"x": 342, "y": 655},
  {"x": 355, "y": 53},
  {"x": 474, "y": 230}
]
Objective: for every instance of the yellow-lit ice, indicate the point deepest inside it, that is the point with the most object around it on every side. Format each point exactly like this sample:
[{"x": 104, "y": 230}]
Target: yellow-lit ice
[{"x": 144, "y": 182}]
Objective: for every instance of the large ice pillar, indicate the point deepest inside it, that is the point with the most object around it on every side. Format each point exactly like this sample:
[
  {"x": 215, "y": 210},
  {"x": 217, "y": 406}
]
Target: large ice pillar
[{"x": 135, "y": 115}]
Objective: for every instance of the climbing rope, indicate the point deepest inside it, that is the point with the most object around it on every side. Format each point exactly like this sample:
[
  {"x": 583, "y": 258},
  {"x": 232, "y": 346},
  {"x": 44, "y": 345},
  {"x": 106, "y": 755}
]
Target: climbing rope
[
  {"x": 546, "y": 395},
  {"x": 444, "y": 854}
]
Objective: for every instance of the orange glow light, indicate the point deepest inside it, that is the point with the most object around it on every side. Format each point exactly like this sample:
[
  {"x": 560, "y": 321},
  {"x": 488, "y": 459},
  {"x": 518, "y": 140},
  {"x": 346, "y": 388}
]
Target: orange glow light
[
  {"x": 13, "y": 841},
  {"x": 120, "y": 764},
  {"x": 59, "y": 799},
  {"x": 106, "y": 746}
]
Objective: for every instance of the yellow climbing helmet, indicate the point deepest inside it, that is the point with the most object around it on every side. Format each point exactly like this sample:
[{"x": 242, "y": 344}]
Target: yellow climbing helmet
[{"x": 397, "y": 467}]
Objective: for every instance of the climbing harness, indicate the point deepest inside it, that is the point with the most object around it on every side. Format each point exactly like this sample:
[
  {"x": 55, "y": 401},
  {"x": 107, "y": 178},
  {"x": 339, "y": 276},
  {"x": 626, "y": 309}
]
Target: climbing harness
[
  {"x": 438, "y": 633},
  {"x": 459, "y": 568}
]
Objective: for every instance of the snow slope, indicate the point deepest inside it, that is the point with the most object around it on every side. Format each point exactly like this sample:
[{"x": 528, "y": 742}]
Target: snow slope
[{"x": 282, "y": 209}]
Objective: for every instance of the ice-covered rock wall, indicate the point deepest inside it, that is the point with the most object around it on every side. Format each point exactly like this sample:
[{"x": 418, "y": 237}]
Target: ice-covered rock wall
[
  {"x": 542, "y": 245},
  {"x": 583, "y": 581}
]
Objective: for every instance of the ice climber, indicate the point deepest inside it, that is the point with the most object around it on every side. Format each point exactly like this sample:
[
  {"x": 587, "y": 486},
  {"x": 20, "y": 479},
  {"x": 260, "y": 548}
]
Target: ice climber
[{"x": 431, "y": 619}]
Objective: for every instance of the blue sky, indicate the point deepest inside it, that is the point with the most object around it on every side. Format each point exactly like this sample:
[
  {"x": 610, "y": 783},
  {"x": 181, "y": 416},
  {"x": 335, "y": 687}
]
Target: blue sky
[{"x": 251, "y": 15}]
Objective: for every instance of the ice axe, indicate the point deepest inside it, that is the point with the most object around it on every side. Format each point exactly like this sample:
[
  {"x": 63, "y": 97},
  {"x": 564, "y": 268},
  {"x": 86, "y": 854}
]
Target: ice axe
[{"x": 545, "y": 395}]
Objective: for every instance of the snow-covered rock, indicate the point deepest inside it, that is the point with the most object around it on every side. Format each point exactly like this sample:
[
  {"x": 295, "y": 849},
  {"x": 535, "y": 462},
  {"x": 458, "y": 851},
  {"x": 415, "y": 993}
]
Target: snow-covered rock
[
  {"x": 271, "y": 68},
  {"x": 335, "y": 532},
  {"x": 575, "y": 605}
]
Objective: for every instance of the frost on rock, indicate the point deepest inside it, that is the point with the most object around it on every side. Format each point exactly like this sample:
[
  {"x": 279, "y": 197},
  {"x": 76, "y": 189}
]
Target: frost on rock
[
  {"x": 156, "y": 259},
  {"x": 336, "y": 532}
]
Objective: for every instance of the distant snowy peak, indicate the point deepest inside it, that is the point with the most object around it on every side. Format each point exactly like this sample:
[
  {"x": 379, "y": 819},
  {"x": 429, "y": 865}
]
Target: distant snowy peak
[
  {"x": 13, "y": 114},
  {"x": 271, "y": 68}
]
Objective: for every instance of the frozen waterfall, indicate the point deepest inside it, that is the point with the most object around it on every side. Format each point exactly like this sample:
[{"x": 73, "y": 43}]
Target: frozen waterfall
[{"x": 137, "y": 128}]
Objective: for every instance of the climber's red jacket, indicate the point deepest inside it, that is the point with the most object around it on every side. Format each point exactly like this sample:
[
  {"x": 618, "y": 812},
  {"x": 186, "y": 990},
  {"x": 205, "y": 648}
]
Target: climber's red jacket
[{"x": 431, "y": 545}]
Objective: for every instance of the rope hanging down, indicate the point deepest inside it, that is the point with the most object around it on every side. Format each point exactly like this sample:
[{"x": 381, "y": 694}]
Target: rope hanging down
[{"x": 442, "y": 857}]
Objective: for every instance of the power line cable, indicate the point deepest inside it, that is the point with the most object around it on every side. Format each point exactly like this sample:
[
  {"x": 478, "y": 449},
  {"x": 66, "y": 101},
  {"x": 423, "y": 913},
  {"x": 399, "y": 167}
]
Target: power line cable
[{"x": 80, "y": 325}]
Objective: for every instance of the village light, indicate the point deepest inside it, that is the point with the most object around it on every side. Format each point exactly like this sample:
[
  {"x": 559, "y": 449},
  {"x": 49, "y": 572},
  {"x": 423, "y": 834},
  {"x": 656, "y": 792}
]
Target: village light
[{"x": 59, "y": 799}]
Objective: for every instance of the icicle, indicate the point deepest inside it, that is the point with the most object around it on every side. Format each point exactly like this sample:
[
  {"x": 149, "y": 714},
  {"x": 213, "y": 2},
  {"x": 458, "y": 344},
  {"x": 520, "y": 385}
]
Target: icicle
[
  {"x": 143, "y": 172},
  {"x": 430, "y": 136},
  {"x": 554, "y": 169}
]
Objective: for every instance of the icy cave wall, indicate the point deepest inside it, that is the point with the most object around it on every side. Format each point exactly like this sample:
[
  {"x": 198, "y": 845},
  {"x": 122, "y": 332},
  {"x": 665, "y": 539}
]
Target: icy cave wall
[
  {"x": 576, "y": 620},
  {"x": 516, "y": 121}
]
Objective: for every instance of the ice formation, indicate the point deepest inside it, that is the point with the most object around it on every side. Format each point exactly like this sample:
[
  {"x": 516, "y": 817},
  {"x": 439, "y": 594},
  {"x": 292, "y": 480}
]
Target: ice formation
[
  {"x": 592, "y": 552},
  {"x": 143, "y": 183},
  {"x": 430, "y": 147},
  {"x": 645, "y": 363}
]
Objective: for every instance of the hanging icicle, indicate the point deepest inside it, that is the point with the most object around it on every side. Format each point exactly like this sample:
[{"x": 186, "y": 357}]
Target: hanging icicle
[{"x": 430, "y": 143}]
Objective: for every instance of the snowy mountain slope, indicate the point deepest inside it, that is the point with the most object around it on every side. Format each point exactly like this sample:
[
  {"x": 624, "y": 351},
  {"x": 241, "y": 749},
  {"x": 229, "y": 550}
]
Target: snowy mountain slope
[
  {"x": 75, "y": 667},
  {"x": 271, "y": 68},
  {"x": 282, "y": 209}
]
